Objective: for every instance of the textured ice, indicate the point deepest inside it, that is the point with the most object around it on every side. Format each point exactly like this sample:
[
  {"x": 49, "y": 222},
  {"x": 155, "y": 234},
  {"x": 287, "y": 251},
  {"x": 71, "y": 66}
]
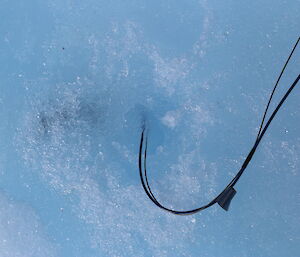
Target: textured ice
[
  {"x": 21, "y": 232},
  {"x": 81, "y": 79}
]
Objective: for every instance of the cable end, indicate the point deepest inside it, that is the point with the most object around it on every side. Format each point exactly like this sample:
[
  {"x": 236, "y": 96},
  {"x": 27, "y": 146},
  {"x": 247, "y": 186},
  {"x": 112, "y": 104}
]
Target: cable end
[{"x": 225, "y": 197}]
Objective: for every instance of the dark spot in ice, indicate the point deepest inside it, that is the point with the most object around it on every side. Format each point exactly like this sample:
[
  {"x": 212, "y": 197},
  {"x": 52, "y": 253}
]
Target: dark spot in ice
[{"x": 68, "y": 117}]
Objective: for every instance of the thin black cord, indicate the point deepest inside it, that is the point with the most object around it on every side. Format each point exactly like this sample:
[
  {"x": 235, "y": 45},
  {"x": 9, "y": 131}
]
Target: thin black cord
[
  {"x": 250, "y": 155},
  {"x": 149, "y": 192},
  {"x": 145, "y": 173},
  {"x": 224, "y": 198},
  {"x": 230, "y": 185},
  {"x": 278, "y": 79}
]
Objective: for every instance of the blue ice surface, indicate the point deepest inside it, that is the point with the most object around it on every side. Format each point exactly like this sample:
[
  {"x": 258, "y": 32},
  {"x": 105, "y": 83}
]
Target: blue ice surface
[{"x": 79, "y": 79}]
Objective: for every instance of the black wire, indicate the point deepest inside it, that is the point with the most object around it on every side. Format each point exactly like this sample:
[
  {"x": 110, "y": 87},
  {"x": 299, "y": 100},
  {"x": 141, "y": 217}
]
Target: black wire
[
  {"x": 278, "y": 79},
  {"x": 150, "y": 194},
  {"x": 145, "y": 169},
  {"x": 260, "y": 135},
  {"x": 251, "y": 153}
]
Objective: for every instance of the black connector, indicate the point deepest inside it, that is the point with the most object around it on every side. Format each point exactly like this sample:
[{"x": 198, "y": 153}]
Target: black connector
[{"x": 224, "y": 199}]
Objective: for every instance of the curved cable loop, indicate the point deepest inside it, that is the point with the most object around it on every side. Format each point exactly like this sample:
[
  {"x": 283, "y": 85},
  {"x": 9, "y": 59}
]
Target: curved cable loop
[{"x": 225, "y": 197}]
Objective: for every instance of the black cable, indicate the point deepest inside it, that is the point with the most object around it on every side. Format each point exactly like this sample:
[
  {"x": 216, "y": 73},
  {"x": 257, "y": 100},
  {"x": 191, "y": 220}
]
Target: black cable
[
  {"x": 278, "y": 79},
  {"x": 225, "y": 197}
]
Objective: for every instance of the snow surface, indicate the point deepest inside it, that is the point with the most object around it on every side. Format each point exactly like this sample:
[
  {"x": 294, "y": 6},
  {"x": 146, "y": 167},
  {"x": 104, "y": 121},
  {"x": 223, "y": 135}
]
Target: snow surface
[{"x": 78, "y": 81}]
